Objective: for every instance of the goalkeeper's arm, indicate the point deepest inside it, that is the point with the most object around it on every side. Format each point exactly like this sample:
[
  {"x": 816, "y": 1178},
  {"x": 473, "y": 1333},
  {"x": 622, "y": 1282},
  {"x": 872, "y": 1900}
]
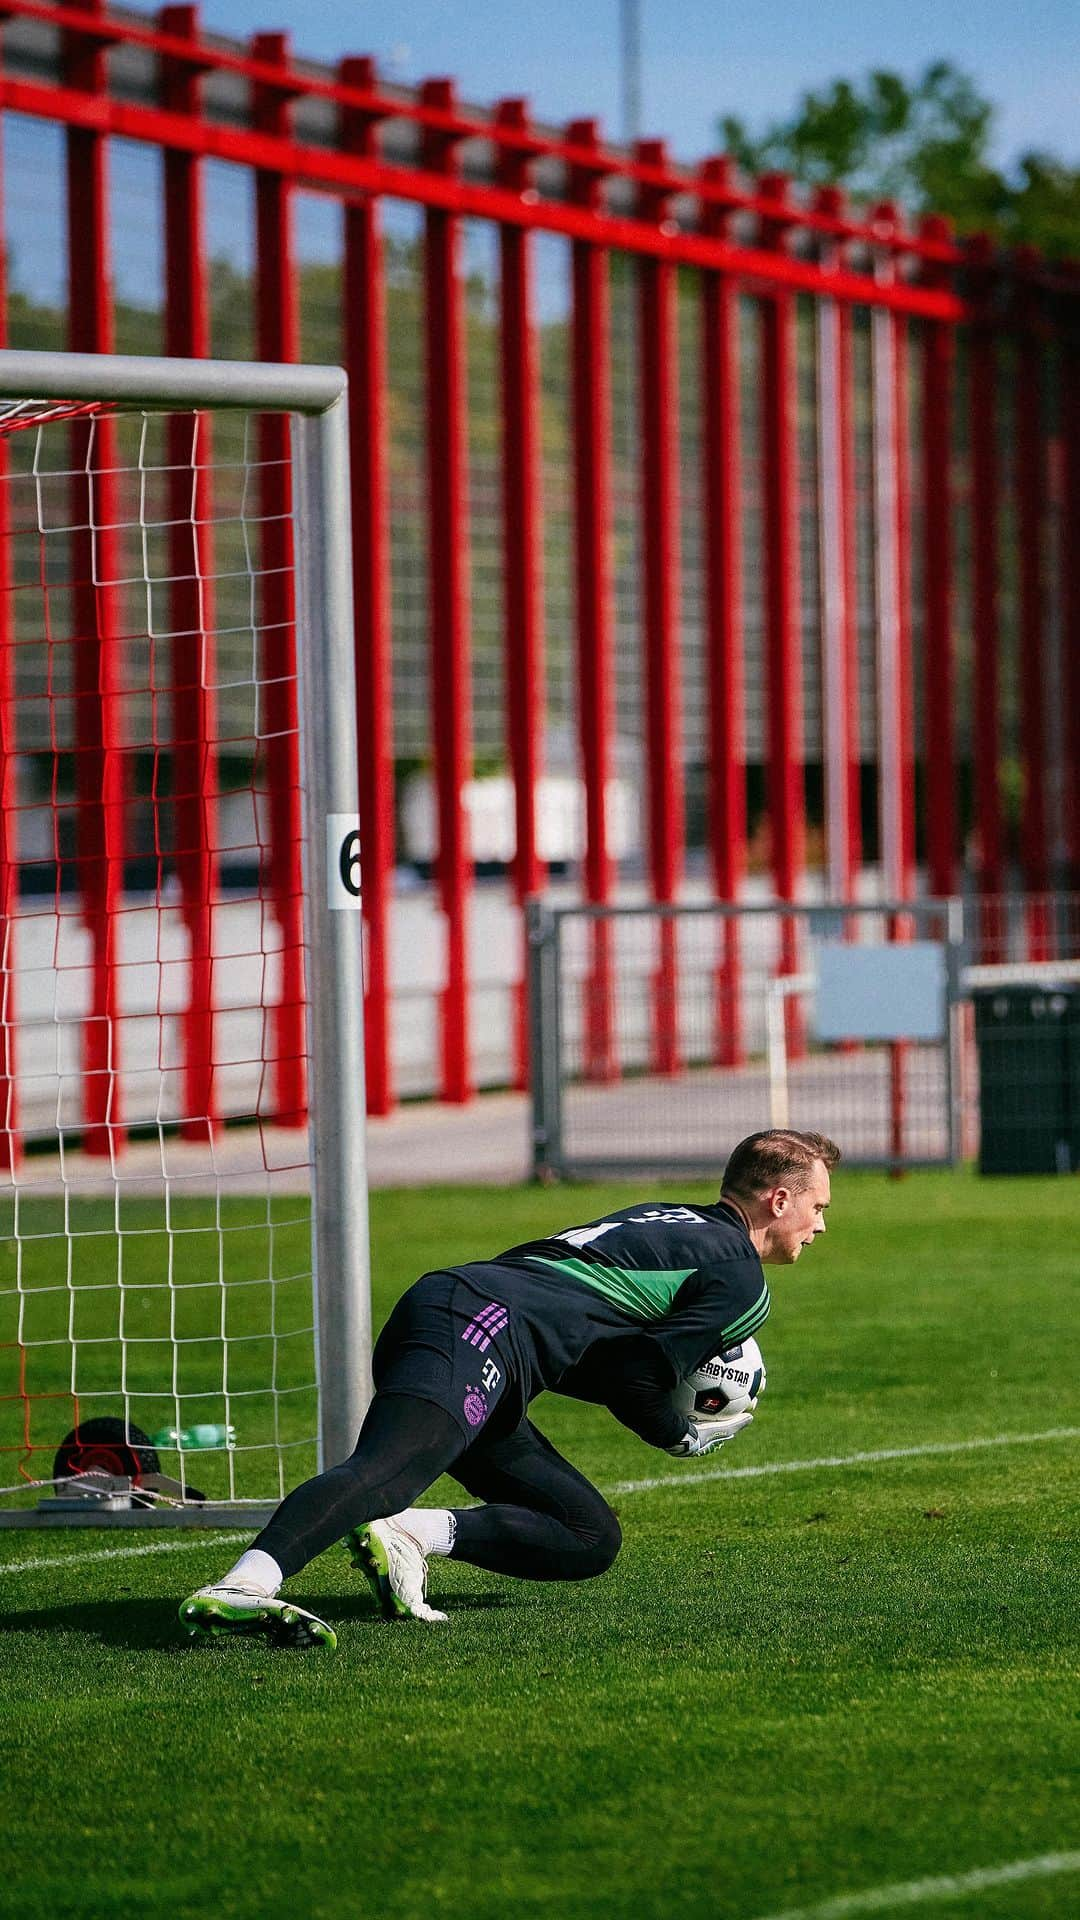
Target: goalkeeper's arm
[
  {"x": 706, "y": 1434},
  {"x": 637, "y": 1391}
]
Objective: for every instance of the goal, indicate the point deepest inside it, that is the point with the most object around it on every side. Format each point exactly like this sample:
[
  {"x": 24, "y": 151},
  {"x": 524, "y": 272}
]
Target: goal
[{"x": 184, "y": 1296}]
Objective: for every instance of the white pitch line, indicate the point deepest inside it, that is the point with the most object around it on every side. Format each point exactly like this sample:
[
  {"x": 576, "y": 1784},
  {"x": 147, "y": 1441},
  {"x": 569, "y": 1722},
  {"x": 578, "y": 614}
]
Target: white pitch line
[
  {"x": 623, "y": 1487},
  {"x": 845, "y": 1460},
  {"x": 209, "y": 1538},
  {"x": 942, "y": 1886}
]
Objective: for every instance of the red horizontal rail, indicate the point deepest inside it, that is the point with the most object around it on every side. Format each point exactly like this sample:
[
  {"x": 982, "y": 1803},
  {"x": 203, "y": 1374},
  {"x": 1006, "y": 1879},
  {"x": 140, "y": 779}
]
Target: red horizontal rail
[
  {"x": 302, "y": 83},
  {"x": 522, "y": 139},
  {"x": 325, "y": 169}
]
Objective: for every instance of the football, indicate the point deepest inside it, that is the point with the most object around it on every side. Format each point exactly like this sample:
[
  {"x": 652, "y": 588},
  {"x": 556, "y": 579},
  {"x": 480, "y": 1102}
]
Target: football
[{"x": 727, "y": 1383}]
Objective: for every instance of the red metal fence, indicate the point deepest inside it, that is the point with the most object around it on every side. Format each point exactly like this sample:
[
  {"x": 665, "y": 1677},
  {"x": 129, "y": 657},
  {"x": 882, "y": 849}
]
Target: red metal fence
[{"x": 786, "y": 493}]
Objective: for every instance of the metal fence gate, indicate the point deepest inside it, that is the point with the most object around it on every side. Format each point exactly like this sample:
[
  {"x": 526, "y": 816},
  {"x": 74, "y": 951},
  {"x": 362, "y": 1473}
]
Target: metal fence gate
[{"x": 630, "y": 1078}]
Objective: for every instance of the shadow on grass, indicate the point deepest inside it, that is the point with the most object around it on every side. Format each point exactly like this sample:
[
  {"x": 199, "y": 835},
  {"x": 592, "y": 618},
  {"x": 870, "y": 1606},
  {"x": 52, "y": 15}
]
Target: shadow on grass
[
  {"x": 115, "y": 1623},
  {"x": 153, "y": 1625},
  {"x": 363, "y": 1608}
]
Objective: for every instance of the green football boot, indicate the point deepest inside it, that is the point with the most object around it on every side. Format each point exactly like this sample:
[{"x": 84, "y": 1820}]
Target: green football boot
[
  {"x": 396, "y": 1566},
  {"x": 244, "y": 1610}
]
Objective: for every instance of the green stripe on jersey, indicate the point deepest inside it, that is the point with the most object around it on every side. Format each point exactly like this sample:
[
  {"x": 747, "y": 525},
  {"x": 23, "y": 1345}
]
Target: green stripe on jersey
[
  {"x": 746, "y": 1330},
  {"x": 648, "y": 1296},
  {"x": 744, "y": 1326}
]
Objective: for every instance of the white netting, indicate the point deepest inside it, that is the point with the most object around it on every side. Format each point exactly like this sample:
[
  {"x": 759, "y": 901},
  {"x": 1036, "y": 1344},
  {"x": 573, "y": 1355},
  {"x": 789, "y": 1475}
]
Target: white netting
[{"x": 155, "y": 1252}]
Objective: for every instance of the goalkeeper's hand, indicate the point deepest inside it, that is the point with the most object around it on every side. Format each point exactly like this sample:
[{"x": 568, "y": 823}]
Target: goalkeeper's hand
[{"x": 708, "y": 1434}]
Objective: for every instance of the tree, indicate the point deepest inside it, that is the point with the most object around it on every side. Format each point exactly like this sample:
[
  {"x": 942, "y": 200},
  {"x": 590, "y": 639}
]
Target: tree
[{"x": 926, "y": 144}]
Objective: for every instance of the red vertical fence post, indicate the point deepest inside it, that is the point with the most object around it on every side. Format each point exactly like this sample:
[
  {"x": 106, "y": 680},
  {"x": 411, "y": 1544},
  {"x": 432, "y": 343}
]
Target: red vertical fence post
[
  {"x": 444, "y": 337},
  {"x": 899, "y": 804},
  {"x": 835, "y": 400},
  {"x": 523, "y": 546},
  {"x": 191, "y": 593},
  {"x": 721, "y": 448},
  {"x": 364, "y": 328},
  {"x": 938, "y": 359},
  {"x": 1031, "y": 518},
  {"x": 985, "y": 524},
  {"x": 892, "y": 508},
  {"x": 900, "y": 329},
  {"x": 96, "y": 568},
  {"x": 277, "y": 335},
  {"x": 721, "y": 398},
  {"x": 659, "y": 377},
  {"x": 785, "y": 784},
  {"x": 9, "y": 851},
  {"x": 839, "y": 588},
  {"x": 892, "y": 540},
  {"x": 853, "y": 716},
  {"x": 721, "y": 480},
  {"x": 9, "y": 803},
  {"x": 1070, "y": 612},
  {"x": 591, "y": 401}
]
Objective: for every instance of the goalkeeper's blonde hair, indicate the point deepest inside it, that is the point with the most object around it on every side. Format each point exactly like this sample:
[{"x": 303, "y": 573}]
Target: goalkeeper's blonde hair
[{"x": 776, "y": 1157}]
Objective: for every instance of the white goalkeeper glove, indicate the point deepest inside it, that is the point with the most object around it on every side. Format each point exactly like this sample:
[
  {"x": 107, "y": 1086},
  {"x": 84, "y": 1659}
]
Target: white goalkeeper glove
[{"x": 708, "y": 1434}]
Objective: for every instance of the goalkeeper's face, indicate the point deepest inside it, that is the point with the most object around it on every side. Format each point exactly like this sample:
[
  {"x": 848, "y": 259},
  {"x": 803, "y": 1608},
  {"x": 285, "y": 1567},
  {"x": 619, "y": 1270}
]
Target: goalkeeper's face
[{"x": 795, "y": 1219}]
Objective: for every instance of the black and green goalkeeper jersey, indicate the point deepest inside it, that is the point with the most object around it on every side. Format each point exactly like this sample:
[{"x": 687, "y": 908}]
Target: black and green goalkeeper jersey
[{"x": 619, "y": 1309}]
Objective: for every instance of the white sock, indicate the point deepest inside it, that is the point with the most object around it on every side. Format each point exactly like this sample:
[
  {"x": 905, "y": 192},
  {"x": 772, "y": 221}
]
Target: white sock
[
  {"x": 433, "y": 1528},
  {"x": 254, "y": 1569}
]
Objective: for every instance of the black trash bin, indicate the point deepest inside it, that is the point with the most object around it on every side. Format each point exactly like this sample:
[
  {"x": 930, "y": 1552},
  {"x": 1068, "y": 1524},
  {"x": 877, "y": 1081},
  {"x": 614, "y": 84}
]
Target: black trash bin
[{"x": 1028, "y": 1043}]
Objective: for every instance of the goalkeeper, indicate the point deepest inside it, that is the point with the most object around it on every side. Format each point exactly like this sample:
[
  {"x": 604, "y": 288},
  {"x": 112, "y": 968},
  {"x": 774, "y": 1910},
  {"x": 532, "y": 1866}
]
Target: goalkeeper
[{"x": 615, "y": 1312}]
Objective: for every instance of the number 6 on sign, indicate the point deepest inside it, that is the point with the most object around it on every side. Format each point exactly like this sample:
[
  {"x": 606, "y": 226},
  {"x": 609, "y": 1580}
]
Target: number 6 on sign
[{"x": 343, "y": 860}]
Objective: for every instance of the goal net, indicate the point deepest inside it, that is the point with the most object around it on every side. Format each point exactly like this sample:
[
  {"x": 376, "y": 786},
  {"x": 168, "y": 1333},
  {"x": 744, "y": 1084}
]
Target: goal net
[{"x": 184, "y": 1243}]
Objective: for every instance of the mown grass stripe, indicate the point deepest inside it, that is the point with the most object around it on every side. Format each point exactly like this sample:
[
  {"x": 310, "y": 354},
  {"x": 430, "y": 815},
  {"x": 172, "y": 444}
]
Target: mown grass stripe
[
  {"x": 622, "y": 1487},
  {"x": 209, "y": 1538},
  {"x": 940, "y": 1886},
  {"x": 844, "y": 1460}
]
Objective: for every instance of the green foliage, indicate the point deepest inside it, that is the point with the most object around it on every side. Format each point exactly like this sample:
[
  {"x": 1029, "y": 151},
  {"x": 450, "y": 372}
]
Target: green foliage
[{"x": 925, "y": 143}]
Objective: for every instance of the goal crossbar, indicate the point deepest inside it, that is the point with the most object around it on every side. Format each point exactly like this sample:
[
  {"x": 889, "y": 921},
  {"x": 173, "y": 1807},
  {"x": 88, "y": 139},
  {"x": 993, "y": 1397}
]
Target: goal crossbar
[{"x": 148, "y": 380}]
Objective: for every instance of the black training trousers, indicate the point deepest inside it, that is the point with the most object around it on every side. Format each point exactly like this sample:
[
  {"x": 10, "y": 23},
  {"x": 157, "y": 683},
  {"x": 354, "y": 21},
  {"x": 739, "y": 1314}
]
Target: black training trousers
[{"x": 542, "y": 1520}]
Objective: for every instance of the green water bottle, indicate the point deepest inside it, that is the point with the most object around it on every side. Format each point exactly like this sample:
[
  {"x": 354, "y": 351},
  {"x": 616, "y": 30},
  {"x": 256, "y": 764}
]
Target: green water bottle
[{"x": 190, "y": 1439}]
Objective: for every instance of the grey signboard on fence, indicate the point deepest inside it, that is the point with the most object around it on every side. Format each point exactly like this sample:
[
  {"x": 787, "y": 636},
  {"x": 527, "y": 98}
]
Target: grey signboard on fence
[{"x": 881, "y": 992}]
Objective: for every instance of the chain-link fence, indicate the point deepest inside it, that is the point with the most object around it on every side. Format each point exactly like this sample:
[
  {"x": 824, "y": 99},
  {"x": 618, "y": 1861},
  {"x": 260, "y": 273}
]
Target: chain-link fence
[{"x": 662, "y": 1036}]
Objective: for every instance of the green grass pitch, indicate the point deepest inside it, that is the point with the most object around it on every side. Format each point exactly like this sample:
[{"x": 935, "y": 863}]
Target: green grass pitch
[{"x": 791, "y": 1686}]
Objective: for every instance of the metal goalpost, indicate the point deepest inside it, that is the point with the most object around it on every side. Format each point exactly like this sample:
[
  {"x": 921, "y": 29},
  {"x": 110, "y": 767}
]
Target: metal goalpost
[{"x": 160, "y": 1080}]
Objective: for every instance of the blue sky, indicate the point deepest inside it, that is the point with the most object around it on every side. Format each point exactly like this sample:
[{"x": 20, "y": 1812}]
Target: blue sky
[
  {"x": 564, "y": 56},
  {"x": 702, "y": 58}
]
